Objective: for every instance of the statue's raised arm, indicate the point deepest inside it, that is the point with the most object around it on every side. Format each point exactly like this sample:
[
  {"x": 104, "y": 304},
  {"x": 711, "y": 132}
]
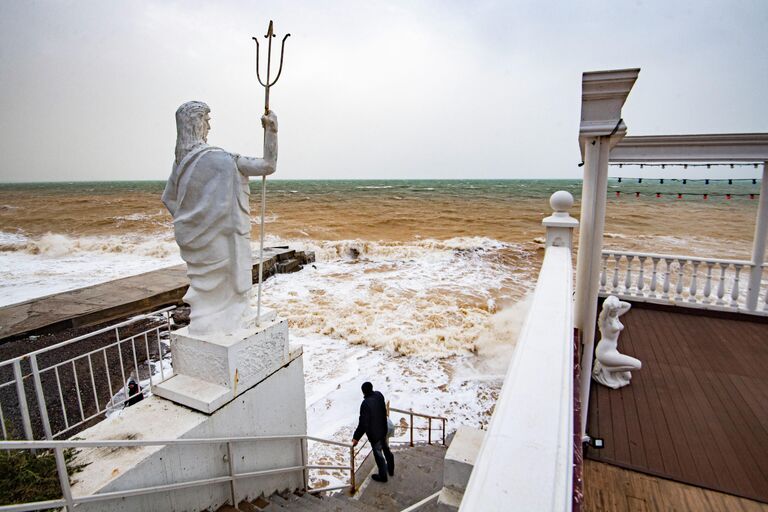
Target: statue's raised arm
[
  {"x": 208, "y": 196},
  {"x": 262, "y": 166}
]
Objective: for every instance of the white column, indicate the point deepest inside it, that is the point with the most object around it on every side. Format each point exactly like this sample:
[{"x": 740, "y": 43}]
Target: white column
[
  {"x": 758, "y": 245},
  {"x": 595, "y": 189}
]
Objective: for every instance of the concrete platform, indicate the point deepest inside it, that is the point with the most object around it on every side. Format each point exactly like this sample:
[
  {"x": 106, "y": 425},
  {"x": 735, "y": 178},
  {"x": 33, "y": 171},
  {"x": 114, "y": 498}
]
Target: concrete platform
[
  {"x": 121, "y": 298},
  {"x": 276, "y": 406}
]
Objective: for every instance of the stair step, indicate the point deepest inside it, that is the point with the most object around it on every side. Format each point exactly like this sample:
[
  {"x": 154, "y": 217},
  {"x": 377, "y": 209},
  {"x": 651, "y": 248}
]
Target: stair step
[{"x": 352, "y": 504}]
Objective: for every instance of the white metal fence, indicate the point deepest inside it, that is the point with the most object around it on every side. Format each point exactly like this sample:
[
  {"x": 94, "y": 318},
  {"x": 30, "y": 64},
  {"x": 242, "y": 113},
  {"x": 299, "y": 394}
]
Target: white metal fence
[
  {"x": 229, "y": 444},
  {"x": 95, "y": 377},
  {"x": 688, "y": 281}
]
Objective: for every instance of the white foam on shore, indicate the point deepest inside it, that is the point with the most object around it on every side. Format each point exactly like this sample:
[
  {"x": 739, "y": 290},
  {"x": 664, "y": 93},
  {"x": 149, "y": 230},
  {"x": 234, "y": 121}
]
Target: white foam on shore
[
  {"x": 451, "y": 387},
  {"x": 54, "y": 263},
  {"x": 423, "y": 297}
]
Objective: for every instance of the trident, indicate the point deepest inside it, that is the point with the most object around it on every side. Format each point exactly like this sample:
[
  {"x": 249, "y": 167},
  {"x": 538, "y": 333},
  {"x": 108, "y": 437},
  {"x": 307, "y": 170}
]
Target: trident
[{"x": 269, "y": 35}]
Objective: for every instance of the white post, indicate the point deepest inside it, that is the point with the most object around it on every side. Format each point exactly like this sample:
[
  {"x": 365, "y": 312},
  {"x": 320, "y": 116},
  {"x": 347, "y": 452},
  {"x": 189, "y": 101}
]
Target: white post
[
  {"x": 593, "y": 200},
  {"x": 603, "y": 94},
  {"x": 560, "y": 225},
  {"x": 758, "y": 245}
]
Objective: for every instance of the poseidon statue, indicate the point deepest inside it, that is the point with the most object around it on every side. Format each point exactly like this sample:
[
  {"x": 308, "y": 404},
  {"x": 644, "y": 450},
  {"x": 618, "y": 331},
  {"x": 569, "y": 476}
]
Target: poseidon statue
[{"x": 208, "y": 194}]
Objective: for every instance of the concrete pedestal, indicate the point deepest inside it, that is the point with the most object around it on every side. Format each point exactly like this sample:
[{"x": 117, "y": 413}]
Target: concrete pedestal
[
  {"x": 274, "y": 407},
  {"x": 213, "y": 370}
]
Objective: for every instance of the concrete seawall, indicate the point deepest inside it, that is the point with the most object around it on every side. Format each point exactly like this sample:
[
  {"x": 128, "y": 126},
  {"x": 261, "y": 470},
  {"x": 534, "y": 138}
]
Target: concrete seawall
[{"x": 124, "y": 297}]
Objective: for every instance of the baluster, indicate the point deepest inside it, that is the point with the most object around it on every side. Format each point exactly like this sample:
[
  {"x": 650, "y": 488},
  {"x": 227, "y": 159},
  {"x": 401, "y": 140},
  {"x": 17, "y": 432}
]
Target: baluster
[
  {"x": 652, "y": 291},
  {"x": 765, "y": 297},
  {"x": 721, "y": 285},
  {"x": 628, "y": 275},
  {"x": 61, "y": 397},
  {"x": 708, "y": 284},
  {"x": 109, "y": 379},
  {"x": 694, "y": 284},
  {"x": 93, "y": 384},
  {"x": 641, "y": 276},
  {"x": 602, "y": 274},
  {"x": 665, "y": 287},
  {"x": 735, "y": 289},
  {"x": 765, "y": 306},
  {"x": 149, "y": 363},
  {"x": 5, "y": 432},
  {"x": 679, "y": 287},
  {"x": 615, "y": 282},
  {"x": 77, "y": 387},
  {"x": 21, "y": 394}
]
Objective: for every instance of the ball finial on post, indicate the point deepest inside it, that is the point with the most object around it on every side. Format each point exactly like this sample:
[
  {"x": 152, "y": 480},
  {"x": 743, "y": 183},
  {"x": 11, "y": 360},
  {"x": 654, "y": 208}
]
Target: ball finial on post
[
  {"x": 561, "y": 201},
  {"x": 560, "y": 224}
]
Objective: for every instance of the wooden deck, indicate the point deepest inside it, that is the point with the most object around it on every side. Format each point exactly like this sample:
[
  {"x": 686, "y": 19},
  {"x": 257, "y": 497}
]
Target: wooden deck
[
  {"x": 612, "y": 489},
  {"x": 697, "y": 412}
]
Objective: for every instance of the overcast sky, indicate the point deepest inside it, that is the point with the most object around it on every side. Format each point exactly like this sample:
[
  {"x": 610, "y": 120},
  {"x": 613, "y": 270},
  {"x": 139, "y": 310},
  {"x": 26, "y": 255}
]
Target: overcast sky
[{"x": 370, "y": 89}]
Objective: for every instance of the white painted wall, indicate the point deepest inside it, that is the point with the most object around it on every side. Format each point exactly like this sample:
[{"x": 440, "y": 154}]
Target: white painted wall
[{"x": 276, "y": 406}]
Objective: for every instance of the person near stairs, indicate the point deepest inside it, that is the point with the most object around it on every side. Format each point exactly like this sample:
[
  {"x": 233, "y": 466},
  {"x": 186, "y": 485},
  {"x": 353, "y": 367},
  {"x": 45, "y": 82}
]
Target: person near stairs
[{"x": 373, "y": 423}]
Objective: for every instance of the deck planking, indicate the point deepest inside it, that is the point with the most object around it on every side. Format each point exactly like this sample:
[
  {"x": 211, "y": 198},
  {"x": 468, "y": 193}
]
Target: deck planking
[
  {"x": 697, "y": 412},
  {"x": 608, "y": 488}
]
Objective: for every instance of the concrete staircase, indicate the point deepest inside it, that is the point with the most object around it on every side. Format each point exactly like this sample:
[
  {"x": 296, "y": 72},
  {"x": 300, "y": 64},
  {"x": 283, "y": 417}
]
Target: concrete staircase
[{"x": 418, "y": 474}]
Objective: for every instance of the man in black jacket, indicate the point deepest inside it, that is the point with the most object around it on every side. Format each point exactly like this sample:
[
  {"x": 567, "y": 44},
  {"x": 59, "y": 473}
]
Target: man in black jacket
[{"x": 373, "y": 423}]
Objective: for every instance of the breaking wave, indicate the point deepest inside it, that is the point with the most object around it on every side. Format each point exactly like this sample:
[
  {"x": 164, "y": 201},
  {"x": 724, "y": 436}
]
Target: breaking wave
[
  {"x": 57, "y": 245},
  {"x": 425, "y": 297}
]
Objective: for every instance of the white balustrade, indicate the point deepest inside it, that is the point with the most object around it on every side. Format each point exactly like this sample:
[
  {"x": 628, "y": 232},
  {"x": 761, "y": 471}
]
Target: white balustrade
[
  {"x": 527, "y": 455},
  {"x": 686, "y": 281}
]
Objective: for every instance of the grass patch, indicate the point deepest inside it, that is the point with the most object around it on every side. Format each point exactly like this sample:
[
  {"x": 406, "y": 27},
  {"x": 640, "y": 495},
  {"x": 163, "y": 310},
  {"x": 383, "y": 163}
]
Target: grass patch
[{"x": 28, "y": 477}]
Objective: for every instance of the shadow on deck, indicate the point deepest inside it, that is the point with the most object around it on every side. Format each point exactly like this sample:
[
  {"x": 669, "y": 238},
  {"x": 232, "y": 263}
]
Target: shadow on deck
[{"x": 697, "y": 412}]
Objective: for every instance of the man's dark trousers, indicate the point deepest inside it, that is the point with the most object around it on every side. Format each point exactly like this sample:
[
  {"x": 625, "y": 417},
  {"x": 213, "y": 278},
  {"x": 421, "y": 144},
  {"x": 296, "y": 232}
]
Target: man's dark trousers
[{"x": 383, "y": 457}]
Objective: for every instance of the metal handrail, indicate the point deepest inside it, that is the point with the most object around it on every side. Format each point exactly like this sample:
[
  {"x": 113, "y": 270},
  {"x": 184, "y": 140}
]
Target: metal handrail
[
  {"x": 429, "y": 417},
  {"x": 421, "y": 414},
  {"x": 84, "y": 336},
  {"x": 416, "y": 506},
  {"x": 70, "y": 501},
  {"x": 86, "y": 414}
]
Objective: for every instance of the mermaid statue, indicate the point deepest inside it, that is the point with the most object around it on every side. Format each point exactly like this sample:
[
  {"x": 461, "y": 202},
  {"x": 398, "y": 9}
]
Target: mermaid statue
[{"x": 612, "y": 368}]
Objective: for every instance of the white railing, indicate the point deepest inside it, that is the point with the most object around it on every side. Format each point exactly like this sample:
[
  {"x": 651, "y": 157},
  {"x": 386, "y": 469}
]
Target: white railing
[
  {"x": 526, "y": 459},
  {"x": 687, "y": 281},
  {"x": 229, "y": 444},
  {"x": 89, "y": 376}
]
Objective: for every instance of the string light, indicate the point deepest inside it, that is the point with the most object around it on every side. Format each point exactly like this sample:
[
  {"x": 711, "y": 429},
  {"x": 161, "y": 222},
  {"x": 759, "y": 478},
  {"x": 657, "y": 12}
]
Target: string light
[
  {"x": 682, "y": 195},
  {"x": 685, "y": 166},
  {"x": 685, "y": 181}
]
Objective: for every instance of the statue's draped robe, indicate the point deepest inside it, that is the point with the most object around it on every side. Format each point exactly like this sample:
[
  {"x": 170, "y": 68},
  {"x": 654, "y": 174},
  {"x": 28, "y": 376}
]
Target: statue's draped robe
[{"x": 208, "y": 198}]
